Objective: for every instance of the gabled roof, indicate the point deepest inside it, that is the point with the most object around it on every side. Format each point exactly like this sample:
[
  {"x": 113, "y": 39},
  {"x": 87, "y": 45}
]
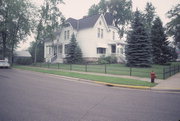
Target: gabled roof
[
  {"x": 109, "y": 19},
  {"x": 22, "y": 53},
  {"x": 73, "y": 22},
  {"x": 89, "y": 21}
]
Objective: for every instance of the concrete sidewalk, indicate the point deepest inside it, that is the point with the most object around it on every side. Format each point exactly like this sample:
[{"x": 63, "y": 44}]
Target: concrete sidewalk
[{"x": 172, "y": 83}]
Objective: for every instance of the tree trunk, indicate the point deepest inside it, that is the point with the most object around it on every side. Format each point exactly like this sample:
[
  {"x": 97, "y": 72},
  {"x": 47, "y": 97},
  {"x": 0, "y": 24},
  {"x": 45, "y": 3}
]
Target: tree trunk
[
  {"x": 35, "y": 53},
  {"x": 12, "y": 54},
  {"x": 4, "y": 45}
]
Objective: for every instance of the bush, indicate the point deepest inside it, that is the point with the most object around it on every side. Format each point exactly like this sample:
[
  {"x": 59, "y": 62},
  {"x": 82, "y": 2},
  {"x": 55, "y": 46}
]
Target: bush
[{"x": 107, "y": 60}]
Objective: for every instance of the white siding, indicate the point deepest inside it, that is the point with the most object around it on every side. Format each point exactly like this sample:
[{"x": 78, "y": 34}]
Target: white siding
[{"x": 88, "y": 39}]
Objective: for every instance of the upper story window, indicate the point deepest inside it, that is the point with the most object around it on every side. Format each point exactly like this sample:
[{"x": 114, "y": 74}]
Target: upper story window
[
  {"x": 113, "y": 36},
  {"x": 98, "y": 33},
  {"x": 101, "y": 33},
  {"x": 99, "y": 22},
  {"x": 68, "y": 34},
  {"x": 64, "y": 35}
]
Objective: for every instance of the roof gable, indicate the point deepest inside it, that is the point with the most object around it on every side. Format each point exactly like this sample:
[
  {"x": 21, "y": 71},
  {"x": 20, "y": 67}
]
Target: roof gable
[
  {"x": 87, "y": 22},
  {"x": 109, "y": 19},
  {"x": 102, "y": 19}
]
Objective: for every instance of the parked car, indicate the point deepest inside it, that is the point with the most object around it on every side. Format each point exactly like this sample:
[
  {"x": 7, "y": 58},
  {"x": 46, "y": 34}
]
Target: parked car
[{"x": 4, "y": 64}]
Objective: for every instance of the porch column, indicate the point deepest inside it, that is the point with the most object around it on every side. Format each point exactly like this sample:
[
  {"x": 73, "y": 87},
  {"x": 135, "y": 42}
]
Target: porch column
[{"x": 63, "y": 52}]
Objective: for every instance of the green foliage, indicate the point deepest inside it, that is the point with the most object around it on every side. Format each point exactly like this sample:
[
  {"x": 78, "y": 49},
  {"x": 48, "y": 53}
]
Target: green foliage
[
  {"x": 149, "y": 16},
  {"x": 122, "y": 13},
  {"x": 15, "y": 23},
  {"x": 40, "y": 51},
  {"x": 120, "y": 9},
  {"x": 159, "y": 43},
  {"x": 74, "y": 54},
  {"x": 172, "y": 55},
  {"x": 173, "y": 27},
  {"x": 107, "y": 60},
  {"x": 138, "y": 49},
  {"x": 49, "y": 21},
  {"x": 101, "y": 7}
]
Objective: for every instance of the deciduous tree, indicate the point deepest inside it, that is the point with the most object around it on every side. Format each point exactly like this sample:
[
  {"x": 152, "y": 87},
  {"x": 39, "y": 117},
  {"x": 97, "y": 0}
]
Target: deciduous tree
[
  {"x": 15, "y": 24},
  {"x": 173, "y": 27}
]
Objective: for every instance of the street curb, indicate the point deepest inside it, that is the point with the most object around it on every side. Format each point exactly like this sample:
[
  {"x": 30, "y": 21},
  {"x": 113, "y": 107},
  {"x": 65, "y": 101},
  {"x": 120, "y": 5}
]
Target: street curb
[
  {"x": 124, "y": 86},
  {"x": 167, "y": 89}
]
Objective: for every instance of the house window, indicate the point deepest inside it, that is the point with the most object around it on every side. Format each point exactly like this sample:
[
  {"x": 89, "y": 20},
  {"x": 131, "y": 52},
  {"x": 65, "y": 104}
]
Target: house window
[
  {"x": 99, "y": 22},
  {"x": 113, "y": 48},
  {"x": 101, "y": 33},
  {"x": 66, "y": 49},
  {"x": 68, "y": 34},
  {"x": 113, "y": 35},
  {"x": 122, "y": 51},
  {"x": 98, "y": 33},
  {"x": 60, "y": 48},
  {"x": 64, "y": 35},
  {"x": 47, "y": 49},
  {"x": 101, "y": 50},
  {"x": 50, "y": 50}
]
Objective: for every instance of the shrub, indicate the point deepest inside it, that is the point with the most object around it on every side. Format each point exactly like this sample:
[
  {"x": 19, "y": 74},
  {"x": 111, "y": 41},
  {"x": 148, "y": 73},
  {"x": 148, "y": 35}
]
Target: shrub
[{"x": 107, "y": 60}]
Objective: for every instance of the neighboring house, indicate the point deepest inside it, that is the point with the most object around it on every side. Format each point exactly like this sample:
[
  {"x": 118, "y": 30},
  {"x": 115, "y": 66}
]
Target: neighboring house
[
  {"x": 178, "y": 53},
  {"x": 96, "y": 35},
  {"x": 22, "y": 57}
]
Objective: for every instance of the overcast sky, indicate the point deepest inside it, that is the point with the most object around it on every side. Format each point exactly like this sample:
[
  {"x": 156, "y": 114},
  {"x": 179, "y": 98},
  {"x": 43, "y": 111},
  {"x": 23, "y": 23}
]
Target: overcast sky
[{"x": 79, "y": 8}]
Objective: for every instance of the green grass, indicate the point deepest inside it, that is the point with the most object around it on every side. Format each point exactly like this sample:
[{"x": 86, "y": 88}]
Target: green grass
[
  {"x": 114, "y": 80},
  {"x": 118, "y": 69}
]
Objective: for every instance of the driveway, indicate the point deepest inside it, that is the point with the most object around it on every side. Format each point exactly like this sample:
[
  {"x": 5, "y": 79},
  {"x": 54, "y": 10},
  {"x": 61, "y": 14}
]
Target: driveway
[{"x": 31, "y": 96}]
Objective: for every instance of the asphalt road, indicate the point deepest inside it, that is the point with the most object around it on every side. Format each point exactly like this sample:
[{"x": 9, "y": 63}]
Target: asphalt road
[{"x": 30, "y": 96}]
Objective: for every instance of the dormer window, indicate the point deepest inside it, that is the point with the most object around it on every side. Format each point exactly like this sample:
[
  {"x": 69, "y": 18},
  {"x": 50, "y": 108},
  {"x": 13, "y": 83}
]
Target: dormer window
[
  {"x": 64, "y": 35},
  {"x": 113, "y": 36},
  {"x": 68, "y": 34},
  {"x": 98, "y": 33},
  {"x": 101, "y": 33}
]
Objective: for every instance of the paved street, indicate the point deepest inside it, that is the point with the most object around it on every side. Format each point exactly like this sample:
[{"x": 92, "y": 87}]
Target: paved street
[{"x": 30, "y": 96}]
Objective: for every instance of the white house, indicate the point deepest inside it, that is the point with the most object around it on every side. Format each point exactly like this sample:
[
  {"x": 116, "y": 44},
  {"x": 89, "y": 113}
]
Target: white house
[{"x": 96, "y": 36}]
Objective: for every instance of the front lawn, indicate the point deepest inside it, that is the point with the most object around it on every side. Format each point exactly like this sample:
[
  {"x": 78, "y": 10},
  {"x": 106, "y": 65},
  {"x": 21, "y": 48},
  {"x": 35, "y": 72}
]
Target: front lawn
[
  {"x": 118, "y": 69},
  {"x": 114, "y": 80}
]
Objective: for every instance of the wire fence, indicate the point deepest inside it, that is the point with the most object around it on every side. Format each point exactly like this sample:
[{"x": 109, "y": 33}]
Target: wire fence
[{"x": 162, "y": 72}]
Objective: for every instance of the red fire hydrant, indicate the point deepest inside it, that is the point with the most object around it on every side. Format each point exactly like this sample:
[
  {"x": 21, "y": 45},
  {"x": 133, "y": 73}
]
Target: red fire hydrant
[{"x": 153, "y": 76}]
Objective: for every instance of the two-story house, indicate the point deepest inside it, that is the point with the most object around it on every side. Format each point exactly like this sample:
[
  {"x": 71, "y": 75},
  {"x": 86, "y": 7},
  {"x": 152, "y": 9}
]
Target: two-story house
[{"x": 96, "y": 35}]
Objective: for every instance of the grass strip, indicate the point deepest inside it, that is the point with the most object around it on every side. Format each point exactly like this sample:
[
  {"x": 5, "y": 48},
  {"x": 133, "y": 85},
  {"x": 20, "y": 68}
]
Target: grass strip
[{"x": 114, "y": 80}]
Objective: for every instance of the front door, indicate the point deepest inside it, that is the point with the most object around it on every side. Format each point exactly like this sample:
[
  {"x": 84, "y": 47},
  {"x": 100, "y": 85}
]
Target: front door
[{"x": 113, "y": 48}]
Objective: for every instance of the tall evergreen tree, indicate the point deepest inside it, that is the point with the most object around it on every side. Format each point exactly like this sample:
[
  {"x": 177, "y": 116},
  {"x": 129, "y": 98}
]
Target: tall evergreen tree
[
  {"x": 159, "y": 43},
  {"x": 138, "y": 50},
  {"x": 149, "y": 16},
  {"x": 74, "y": 54}
]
